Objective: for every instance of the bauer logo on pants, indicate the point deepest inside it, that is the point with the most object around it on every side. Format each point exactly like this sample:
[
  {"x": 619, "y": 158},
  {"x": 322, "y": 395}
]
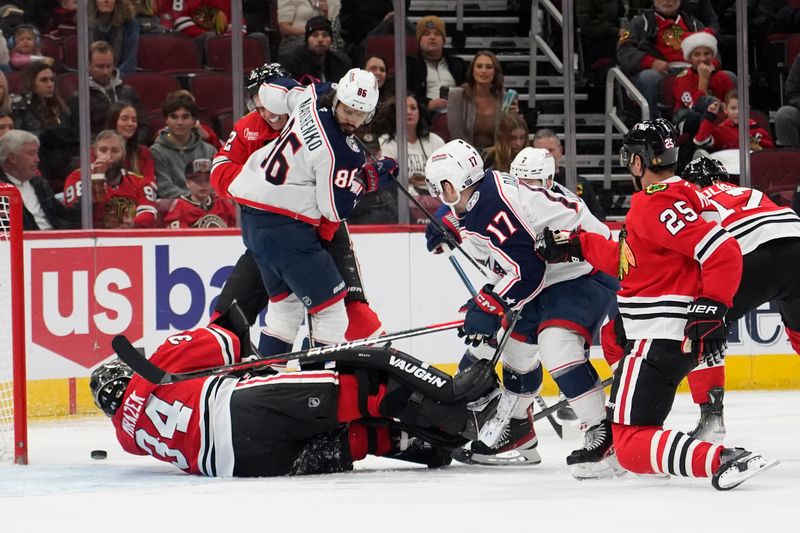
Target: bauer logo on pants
[{"x": 99, "y": 296}]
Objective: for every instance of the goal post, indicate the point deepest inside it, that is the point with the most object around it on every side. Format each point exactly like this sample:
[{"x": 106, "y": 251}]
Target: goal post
[{"x": 13, "y": 396}]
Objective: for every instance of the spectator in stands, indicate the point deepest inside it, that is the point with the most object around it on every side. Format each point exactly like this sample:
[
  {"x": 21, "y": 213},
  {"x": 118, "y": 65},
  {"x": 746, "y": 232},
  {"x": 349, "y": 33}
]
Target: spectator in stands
[
  {"x": 124, "y": 119},
  {"x": 547, "y": 139},
  {"x": 62, "y": 21},
  {"x": 5, "y": 94},
  {"x": 59, "y": 148},
  {"x": 4, "y": 57},
  {"x": 25, "y": 45},
  {"x": 19, "y": 161},
  {"x": 195, "y": 18},
  {"x": 293, "y": 18},
  {"x": 316, "y": 59},
  {"x": 105, "y": 85},
  {"x": 114, "y": 22},
  {"x": 512, "y": 136},
  {"x": 200, "y": 208},
  {"x": 120, "y": 198},
  {"x": 207, "y": 133},
  {"x": 377, "y": 65},
  {"x": 39, "y": 107},
  {"x": 6, "y": 122},
  {"x": 649, "y": 49},
  {"x": 787, "y": 119},
  {"x": 725, "y": 135},
  {"x": 358, "y": 18},
  {"x": 432, "y": 73},
  {"x": 599, "y": 26},
  {"x": 176, "y": 145},
  {"x": 475, "y": 109}
]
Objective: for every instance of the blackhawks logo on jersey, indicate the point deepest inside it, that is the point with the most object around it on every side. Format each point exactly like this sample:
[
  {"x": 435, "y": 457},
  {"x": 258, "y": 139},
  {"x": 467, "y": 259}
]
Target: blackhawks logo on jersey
[
  {"x": 655, "y": 187},
  {"x": 626, "y": 257}
]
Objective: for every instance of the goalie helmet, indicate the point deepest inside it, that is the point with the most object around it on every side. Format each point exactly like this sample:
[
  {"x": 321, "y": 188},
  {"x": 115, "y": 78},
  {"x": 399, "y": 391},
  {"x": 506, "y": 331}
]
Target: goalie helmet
[
  {"x": 108, "y": 384},
  {"x": 653, "y": 141},
  {"x": 534, "y": 164},
  {"x": 358, "y": 89},
  {"x": 704, "y": 171},
  {"x": 260, "y": 75},
  {"x": 457, "y": 162}
]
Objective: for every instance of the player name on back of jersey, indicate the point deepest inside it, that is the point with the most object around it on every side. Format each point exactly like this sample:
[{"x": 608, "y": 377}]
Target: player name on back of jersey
[{"x": 308, "y": 129}]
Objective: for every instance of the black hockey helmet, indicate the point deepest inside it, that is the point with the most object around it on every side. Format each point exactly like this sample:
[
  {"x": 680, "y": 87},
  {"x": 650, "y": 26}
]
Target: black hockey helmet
[
  {"x": 704, "y": 171},
  {"x": 263, "y": 74},
  {"x": 108, "y": 384},
  {"x": 654, "y": 141}
]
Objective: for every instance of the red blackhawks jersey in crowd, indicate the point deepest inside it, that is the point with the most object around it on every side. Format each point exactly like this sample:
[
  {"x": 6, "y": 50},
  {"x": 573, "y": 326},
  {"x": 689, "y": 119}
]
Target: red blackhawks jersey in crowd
[
  {"x": 134, "y": 197},
  {"x": 748, "y": 215},
  {"x": 194, "y": 17},
  {"x": 187, "y": 424},
  {"x": 250, "y": 133},
  {"x": 685, "y": 89},
  {"x": 214, "y": 212},
  {"x": 667, "y": 256},
  {"x": 725, "y": 135}
]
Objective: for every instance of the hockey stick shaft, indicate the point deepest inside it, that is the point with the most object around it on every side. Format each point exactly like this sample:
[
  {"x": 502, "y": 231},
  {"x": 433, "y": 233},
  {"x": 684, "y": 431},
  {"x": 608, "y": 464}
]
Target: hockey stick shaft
[
  {"x": 439, "y": 226},
  {"x": 154, "y": 374}
]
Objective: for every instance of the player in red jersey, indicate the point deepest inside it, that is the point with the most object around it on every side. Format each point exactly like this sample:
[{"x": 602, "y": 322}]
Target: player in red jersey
[
  {"x": 769, "y": 236},
  {"x": 200, "y": 208},
  {"x": 122, "y": 199},
  {"x": 268, "y": 91},
  {"x": 678, "y": 275},
  {"x": 291, "y": 423}
]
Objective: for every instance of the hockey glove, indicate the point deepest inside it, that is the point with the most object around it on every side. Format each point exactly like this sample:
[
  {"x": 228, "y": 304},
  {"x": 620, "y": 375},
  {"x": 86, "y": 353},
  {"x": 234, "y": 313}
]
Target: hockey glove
[
  {"x": 559, "y": 246},
  {"x": 704, "y": 334},
  {"x": 378, "y": 175},
  {"x": 484, "y": 317},
  {"x": 436, "y": 239}
]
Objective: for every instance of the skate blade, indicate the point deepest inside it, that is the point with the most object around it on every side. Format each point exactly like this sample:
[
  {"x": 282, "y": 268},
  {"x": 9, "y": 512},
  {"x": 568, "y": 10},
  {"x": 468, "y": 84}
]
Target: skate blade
[
  {"x": 751, "y": 472},
  {"x": 510, "y": 458},
  {"x": 606, "y": 469}
]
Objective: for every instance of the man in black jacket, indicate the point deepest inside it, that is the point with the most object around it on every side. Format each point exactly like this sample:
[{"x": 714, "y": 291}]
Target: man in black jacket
[
  {"x": 316, "y": 59},
  {"x": 449, "y": 71},
  {"x": 19, "y": 160}
]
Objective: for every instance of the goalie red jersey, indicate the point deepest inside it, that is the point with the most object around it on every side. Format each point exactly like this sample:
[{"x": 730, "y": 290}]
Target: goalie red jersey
[
  {"x": 214, "y": 212},
  {"x": 129, "y": 203},
  {"x": 184, "y": 424},
  {"x": 668, "y": 256},
  {"x": 748, "y": 215}
]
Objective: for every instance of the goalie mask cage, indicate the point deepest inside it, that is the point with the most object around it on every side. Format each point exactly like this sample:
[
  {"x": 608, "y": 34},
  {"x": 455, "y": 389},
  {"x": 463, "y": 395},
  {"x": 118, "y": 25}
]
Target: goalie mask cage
[{"x": 13, "y": 409}]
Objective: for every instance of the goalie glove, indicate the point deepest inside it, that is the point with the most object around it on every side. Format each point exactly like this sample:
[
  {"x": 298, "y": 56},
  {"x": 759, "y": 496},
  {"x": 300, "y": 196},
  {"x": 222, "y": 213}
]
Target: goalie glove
[
  {"x": 377, "y": 175},
  {"x": 484, "y": 316},
  {"x": 559, "y": 246},
  {"x": 436, "y": 239},
  {"x": 704, "y": 335}
]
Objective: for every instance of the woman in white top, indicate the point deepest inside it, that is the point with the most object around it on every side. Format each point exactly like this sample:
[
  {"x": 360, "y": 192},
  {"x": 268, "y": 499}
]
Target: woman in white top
[{"x": 421, "y": 144}]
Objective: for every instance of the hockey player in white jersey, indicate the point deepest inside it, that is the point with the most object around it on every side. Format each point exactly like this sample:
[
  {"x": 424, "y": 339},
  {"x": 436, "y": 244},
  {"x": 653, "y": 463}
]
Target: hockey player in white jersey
[
  {"x": 561, "y": 308},
  {"x": 312, "y": 174}
]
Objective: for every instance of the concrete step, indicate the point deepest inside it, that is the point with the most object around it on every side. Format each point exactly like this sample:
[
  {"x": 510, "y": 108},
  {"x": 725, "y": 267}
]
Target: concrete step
[
  {"x": 471, "y": 19},
  {"x": 429, "y": 6}
]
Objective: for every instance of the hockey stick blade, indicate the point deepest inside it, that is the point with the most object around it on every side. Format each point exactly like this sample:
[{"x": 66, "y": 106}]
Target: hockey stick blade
[
  {"x": 158, "y": 376},
  {"x": 555, "y": 407},
  {"x": 138, "y": 362}
]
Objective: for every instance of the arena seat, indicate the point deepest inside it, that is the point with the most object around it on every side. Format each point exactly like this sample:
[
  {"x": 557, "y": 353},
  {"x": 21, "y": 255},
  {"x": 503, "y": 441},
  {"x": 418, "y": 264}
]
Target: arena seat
[
  {"x": 152, "y": 88},
  {"x": 383, "y": 45},
  {"x": 439, "y": 126},
  {"x": 776, "y": 173},
  {"x": 213, "y": 91},
  {"x": 218, "y": 53},
  {"x": 67, "y": 84},
  {"x": 161, "y": 53}
]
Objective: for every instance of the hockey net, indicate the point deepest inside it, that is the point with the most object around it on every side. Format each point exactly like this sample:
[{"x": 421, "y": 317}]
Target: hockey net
[{"x": 13, "y": 411}]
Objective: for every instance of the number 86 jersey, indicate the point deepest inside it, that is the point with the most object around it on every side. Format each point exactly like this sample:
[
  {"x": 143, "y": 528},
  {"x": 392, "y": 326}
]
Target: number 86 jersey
[
  {"x": 307, "y": 172},
  {"x": 188, "y": 423}
]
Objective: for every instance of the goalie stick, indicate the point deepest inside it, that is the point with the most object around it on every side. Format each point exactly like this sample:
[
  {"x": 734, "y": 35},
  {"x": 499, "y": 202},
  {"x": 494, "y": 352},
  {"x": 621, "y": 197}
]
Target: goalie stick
[{"x": 154, "y": 374}]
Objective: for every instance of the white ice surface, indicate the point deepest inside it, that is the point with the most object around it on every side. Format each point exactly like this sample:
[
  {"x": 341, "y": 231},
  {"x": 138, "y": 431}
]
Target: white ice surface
[{"x": 63, "y": 490}]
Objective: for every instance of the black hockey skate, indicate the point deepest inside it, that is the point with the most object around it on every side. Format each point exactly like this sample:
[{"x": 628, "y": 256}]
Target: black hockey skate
[
  {"x": 711, "y": 426},
  {"x": 737, "y": 465},
  {"x": 566, "y": 413},
  {"x": 516, "y": 446},
  {"x": 411, "y": 449},
  {"x": 596, "y": 459}
]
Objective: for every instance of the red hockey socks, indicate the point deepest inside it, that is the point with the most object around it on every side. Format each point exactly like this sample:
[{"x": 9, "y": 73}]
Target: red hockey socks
[
  {"x": 652, "y": 450},
  {"x": 363, "y": 440},
  {"x": 362, "y": 321},
  {"x": 794, "y": 339},
  {"x": 612, "y": 349},
  {"x": 702, "y": 379}
]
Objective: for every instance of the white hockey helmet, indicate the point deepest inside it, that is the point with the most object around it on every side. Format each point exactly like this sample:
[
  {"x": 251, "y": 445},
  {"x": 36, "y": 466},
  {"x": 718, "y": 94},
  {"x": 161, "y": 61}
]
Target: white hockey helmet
[
  {"x": 457, "y": 162},
  {"x": 534, "y": 164},
  {"x": 274, "y": 98},
  {"x": 358, "y": 89}
]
